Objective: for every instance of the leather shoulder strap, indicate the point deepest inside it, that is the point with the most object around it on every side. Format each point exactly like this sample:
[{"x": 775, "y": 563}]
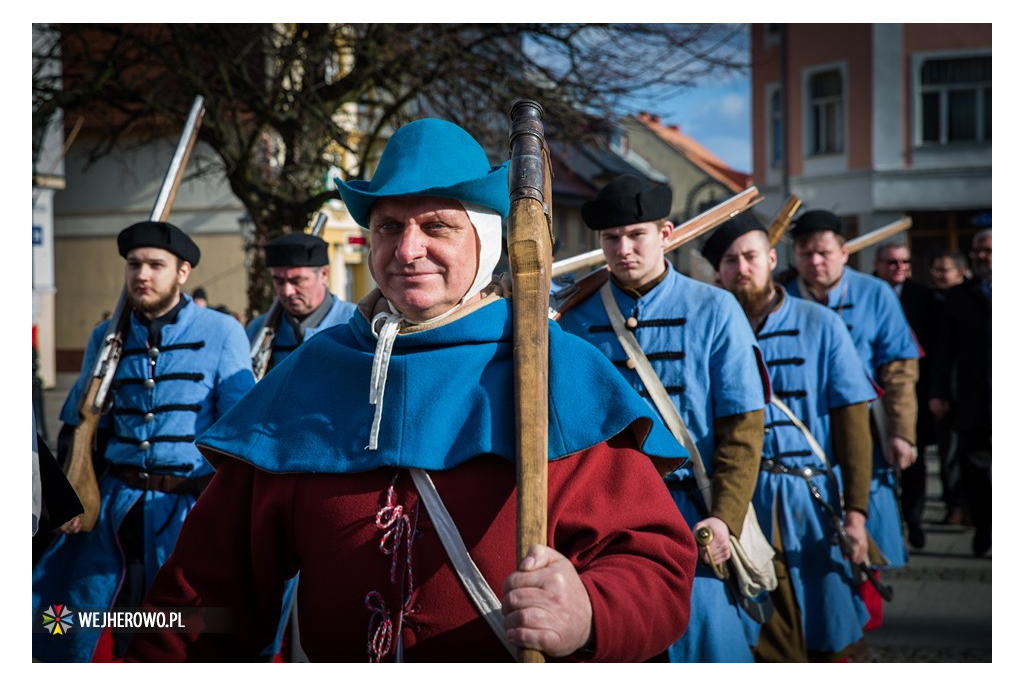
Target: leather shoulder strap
[
  {"x": 469, "y": 574},
  {"x": 669, "y": 413}
]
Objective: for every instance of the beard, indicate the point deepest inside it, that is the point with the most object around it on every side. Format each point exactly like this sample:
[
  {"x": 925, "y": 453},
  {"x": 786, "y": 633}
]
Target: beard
[
  {"x": 158, "y": 304},
  {"x": 754, "y": 300}
]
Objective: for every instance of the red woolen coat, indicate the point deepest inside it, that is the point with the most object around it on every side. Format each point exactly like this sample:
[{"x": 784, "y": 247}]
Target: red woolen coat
[{"x": 609, "y": 513}]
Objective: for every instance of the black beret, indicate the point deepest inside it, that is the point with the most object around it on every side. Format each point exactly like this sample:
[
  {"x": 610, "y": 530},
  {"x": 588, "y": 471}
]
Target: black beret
[
  {"x": 816, "y": 220},
  {"x": 626, "y": 200},
  {"x": 158, "y": 234},
  {"x": 724, "y": 236},
  {"x": 297, "y": 249}
]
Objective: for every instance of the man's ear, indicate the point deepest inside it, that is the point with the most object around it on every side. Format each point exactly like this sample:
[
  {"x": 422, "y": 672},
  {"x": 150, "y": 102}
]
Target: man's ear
[
  {"x": 184, "y": 271},
  {"x": 665, "y": 230}
]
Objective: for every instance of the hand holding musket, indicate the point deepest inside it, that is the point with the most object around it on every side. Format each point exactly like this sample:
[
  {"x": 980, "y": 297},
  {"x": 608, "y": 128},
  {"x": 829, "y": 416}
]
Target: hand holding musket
[
  {"x": 262, "y": 344},
  {"x": 79, "y": 467}
]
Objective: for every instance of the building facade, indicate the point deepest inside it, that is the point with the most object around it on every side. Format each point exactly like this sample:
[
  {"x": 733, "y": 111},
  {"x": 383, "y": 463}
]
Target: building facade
[{"x": 872, "y": 121}]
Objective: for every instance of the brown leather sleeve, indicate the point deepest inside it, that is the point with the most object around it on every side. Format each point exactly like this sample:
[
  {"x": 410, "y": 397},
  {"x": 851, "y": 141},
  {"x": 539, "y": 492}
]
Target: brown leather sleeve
[
  {"x": 899, "y": 379},
  {"x": 851, "y": 446},
  {"x": 737, "y": 461}
]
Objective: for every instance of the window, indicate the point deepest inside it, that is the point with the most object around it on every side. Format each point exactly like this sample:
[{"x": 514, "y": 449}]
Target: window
[
  {"x": 825, "y": 102},
  {"x": 775, "y": 135},
  {"x": 955, "y": 101}
]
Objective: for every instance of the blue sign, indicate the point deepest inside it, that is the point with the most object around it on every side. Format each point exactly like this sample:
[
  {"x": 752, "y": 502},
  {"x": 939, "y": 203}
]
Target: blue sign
[{"x": 37, "y": 235}]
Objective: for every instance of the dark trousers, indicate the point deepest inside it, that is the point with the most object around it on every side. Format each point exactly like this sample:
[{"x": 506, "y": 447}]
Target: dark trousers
[
  {"x": 913, "y": 491},
  {"x": 974, "y": 452},
  {"x": 952, "y": 484}
]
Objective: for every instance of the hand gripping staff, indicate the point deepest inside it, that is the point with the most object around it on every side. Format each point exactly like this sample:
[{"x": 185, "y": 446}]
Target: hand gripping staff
[
  {"x": 262, "y": 348},
  {"x": 79, "y": 467},
  {"x": 529, "y": 255}
]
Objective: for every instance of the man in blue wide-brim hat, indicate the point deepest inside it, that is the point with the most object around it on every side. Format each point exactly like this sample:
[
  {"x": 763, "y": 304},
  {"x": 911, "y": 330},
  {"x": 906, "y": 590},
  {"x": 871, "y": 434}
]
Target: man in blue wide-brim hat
[{"x": 323, "y": 468}]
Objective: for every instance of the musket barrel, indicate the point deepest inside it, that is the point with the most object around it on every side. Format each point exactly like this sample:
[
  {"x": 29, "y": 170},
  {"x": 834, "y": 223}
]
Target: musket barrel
[{"x": 172, "y": 179}]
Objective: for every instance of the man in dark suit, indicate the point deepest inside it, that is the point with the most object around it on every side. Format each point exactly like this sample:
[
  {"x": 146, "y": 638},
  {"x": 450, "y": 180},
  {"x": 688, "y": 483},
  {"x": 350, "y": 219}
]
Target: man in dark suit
[
  {"x": 948, "y": 270},
  {"x": 892, "y": 265},
  {"x": 963, "y": 348}
]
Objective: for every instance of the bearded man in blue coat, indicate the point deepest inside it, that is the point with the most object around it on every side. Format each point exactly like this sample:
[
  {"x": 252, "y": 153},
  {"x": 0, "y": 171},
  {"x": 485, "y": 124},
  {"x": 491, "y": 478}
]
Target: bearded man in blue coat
[
  {"x": 182, "y": 368},
  {"x": 816, "y": 377},
  {"x": 704, "y": 353}
]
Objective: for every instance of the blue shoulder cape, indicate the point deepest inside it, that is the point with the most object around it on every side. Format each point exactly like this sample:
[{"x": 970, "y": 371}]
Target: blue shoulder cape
[{"x": 449, "y": 398}]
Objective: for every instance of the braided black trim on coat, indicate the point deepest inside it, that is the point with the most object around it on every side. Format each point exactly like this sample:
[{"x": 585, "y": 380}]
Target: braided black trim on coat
[
  {"x": 775, "y": 334},
  {"x": 795, "y": 453},
  {"x": 196, "y": 377},
  {"x": 666, "y": 355},
  {"x": 650, "y": 323},
  {"x": 166, "y": 348},
  {"x": 670, "y": 389},
  {"x": 791, "y": 361},
  {"x": 132, "y": 411}
]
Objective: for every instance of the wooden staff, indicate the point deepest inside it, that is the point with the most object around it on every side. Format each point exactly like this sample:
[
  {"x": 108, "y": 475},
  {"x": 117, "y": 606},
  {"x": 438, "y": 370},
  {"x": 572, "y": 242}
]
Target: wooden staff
[
  {"x": 572, "y": 295},
  {"x": 529, "y": 254},
  {"x": 79, "y": 467},
  {"x": 782, "y": 220}
]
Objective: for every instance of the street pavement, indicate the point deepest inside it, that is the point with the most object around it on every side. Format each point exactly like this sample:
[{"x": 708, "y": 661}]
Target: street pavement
[
  {"x": 941, "y": 610},
  {"x": 942, "y": 599}
]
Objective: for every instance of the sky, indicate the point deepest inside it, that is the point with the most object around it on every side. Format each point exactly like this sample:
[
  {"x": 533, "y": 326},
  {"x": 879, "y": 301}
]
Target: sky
[
  {"x": 718, "y": 117},
  {"x": 715, "y": 112}
]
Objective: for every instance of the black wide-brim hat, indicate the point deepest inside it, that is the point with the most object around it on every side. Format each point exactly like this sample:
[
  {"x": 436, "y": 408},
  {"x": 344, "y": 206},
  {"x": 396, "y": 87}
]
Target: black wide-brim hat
[
  {"x": 158, "y": 234},
  {"x": 626, "y": 200},
  {"x": 296, "y": 249},
  {"x": 725, "y": 235}
]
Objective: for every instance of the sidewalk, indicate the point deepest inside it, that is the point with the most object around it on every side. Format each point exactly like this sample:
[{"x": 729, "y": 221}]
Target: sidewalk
[{"x": 942, "y": 599}]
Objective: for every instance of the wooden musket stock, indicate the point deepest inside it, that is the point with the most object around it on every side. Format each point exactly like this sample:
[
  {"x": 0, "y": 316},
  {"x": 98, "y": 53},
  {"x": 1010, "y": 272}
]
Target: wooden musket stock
[
  {"x": 878, "y": 235},
  {"x": 782, "y": 220},
  {"x": 529, "y": 250},
  {"x": 79, "y": 466}
]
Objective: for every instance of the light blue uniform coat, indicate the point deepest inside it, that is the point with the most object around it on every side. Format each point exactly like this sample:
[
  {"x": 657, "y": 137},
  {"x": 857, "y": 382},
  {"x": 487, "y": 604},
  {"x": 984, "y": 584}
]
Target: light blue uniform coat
[
  {"x": 814, "y": 368},
  {"x": 199, "y": 371},
  {"x": 873, "y": 315},
  {"x": 701, "y": 346}
]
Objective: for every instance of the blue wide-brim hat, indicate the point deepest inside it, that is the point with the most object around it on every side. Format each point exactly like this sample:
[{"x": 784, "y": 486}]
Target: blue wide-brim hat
[{"x": 434, "y": 158}]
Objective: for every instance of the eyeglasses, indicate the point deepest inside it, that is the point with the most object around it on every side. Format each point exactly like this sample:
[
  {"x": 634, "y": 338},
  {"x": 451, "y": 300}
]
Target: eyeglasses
[{"x": 896, "y": 262}]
